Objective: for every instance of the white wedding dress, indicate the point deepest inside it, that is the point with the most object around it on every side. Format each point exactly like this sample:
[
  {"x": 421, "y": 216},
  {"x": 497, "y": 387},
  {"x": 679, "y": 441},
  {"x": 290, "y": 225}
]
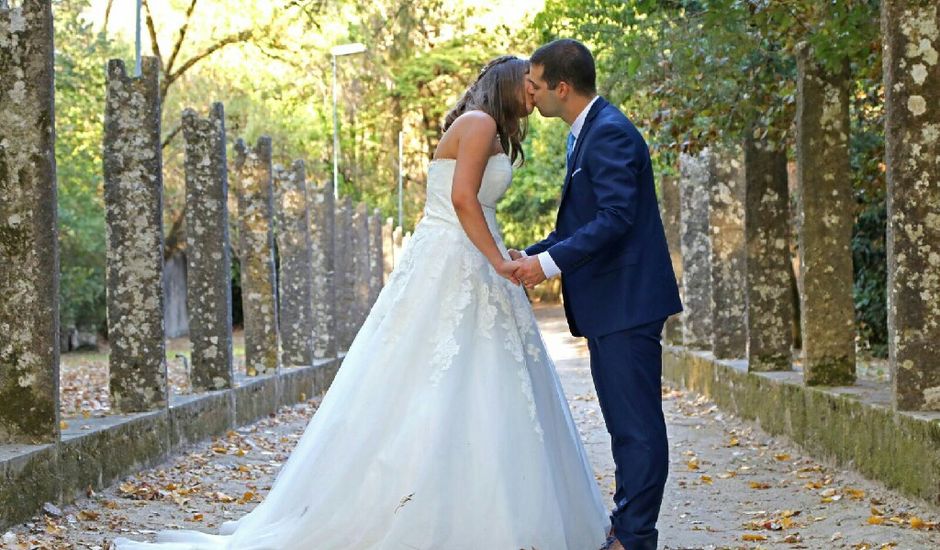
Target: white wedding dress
[{"x": 445, "y": 427}]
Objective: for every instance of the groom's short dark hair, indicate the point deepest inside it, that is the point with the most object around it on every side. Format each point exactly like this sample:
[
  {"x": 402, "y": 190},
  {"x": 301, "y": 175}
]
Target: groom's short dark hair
[{"x": 567, "y": 60}]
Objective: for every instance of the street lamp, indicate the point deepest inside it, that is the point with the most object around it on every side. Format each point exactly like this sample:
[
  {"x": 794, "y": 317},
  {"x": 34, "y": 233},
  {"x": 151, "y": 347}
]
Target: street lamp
[{"x": 336, "y": 51}]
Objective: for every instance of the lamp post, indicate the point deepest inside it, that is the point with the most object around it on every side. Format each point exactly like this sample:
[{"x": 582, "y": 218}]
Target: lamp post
[
  {"x": 337, "y": 51},
  {"x": 137, "y": 42}
]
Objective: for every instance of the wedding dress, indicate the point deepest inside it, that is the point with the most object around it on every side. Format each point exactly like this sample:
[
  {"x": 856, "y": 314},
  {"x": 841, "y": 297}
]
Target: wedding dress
[{"x": 446, "y": 426}]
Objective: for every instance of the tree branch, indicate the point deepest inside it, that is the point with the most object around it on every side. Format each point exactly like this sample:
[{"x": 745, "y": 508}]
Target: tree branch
[
  {"x": 152, "y": 29},
  {"x": 169, "y": 137},
  {"x": 107, "y": 16},
  {"x": 180, "y": 37},
  {"x": 234, "y": 38}
]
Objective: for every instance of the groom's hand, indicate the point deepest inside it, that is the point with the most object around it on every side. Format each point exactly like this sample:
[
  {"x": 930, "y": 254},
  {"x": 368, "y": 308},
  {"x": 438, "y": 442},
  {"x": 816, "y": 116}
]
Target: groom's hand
[
  {"x": 530, "y": 272},
  {"x": 514, "y": 254}
]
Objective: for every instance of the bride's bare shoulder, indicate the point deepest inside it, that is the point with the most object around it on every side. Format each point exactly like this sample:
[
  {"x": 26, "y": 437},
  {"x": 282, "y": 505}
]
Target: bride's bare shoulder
[{"x": 473, "y": 126}]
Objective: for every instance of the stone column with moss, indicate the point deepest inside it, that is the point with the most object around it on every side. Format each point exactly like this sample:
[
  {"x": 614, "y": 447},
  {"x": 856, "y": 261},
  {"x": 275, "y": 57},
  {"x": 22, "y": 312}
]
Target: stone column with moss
[
  {"x": 323, "y": 291},
  {"x": 669, "y": 210},
  {"x": 253, "y": 179},
  {"x": 208, "y": 250},
  {"x": 726, "y": 221},
  {"x": 344, "y": 278},
  {"x": 29, "y": 260},
  {"x": 766, "y": 234},
  {"x": 359, "y": 246},
  {"x": 826, "y": 214},
  {"x": 376, "y": 257},
  {"x": 911, "y": 34},
  {"x": 295, "y": 317},
  {"x": 695, "y": 249},
  {"x": 133, "y": 197},
  {"x": 397, "y": 241},
  {"x": 388, "y": 249}
]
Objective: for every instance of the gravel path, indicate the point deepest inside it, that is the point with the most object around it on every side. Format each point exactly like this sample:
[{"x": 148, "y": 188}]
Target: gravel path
[{"x": 730, "y": 485}]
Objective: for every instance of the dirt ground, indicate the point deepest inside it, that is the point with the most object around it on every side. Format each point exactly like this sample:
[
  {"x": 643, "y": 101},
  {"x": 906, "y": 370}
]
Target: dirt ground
[{"x": 730, "y": 485}]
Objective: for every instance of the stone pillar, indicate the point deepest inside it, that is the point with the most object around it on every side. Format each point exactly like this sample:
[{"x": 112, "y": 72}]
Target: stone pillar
[
  {"x": 826, "y": 215},
  {"x": 397, "y": 241},
  {"x": 912, "y": 132},
  {"x": 253, "y": 173},
  {"x": 361, "y": 271},
  {"x": 388, "y": 249},
  {"x": 29, "y": 259},
  {"x": 344, "y": 279},
  {"x": 376, "y": 257},
  {"x": 695, "y": 250},
  {"x": 323, "y": 288},
  {"x": 133, "y": 196},
  {"x": 726, "y": 218},
  {"x": 669, "y": 211},
  {"x": 295, "y": 268},
  {"x": 766, "y": 233},
  {"x": 208, "y": 250}
]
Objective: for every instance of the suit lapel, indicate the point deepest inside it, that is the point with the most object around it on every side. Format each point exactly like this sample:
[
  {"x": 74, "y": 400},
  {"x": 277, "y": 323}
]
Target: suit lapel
[{"x": 582, "y": 137}]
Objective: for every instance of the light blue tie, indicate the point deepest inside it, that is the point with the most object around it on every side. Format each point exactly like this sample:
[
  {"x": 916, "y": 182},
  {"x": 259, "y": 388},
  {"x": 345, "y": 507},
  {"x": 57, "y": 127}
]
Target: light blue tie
[{"x": 569, "y": 148}]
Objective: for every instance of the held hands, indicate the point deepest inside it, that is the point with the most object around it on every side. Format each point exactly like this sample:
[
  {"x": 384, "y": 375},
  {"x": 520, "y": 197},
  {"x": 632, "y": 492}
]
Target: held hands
[
  {"x": 521, "y": 269},
  {"x": 530, "y": 271},
  {"x": 507, "y": 269}
]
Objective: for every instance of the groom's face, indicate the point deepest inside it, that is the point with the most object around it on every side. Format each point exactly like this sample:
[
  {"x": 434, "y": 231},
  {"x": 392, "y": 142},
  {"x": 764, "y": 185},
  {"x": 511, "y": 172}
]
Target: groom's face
[{"x": 545, "y": 100}]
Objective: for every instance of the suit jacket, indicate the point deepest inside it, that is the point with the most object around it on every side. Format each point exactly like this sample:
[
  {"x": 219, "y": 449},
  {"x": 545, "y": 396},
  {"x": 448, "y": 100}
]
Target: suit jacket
[{"x": 609, "y": 240}]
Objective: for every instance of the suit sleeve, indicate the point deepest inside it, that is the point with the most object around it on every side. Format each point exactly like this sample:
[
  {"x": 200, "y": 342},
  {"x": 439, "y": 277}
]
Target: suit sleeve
[
  {"x": 542, "y": 245},
  {"x": 614, "y": 162}
]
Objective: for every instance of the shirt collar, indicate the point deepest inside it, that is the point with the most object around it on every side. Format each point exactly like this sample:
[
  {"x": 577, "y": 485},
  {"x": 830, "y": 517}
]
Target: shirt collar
[{"x": 579, "y": 121}]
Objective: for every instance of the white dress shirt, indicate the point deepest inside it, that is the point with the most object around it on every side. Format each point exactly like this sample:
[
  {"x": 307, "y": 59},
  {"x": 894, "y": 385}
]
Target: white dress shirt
[{"x": 545, "y": 259}]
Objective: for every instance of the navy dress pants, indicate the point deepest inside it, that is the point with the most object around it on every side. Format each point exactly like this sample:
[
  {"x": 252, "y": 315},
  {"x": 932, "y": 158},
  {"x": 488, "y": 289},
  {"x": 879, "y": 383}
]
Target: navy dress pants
[{"x": 627, "y": 368}]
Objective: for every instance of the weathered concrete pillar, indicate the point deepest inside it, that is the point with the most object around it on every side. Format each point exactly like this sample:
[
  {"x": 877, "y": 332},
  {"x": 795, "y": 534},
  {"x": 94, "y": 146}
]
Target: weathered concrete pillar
[
  {"x": 344, "y": 278},
  {"x": 826, "y": 215},
  {"x": 133, "y": 196},
  {"x": 361, "y": 269},
  {"x": 766, "y": 231},
  {"x": 322, "y": 220},
  {"x": 695, "y": 250},
  {"x": 911, "y": 30},
  {"x": 295, "y": 268},
  {"x": 397, "y": 238},
  {"x": 726, "y": 219},
  {"x": 253, "y": 173},
  {"x": 29, "y": 259},
  {"x": 208, "y": 254},
  {"x": 388, "y": 249},
  {"x": 669, "y": 211},
  {"x": 376, "y": 257}
]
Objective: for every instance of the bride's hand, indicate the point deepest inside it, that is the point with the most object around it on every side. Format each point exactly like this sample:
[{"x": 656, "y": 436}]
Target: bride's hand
[{"x": 507, "y": 269}]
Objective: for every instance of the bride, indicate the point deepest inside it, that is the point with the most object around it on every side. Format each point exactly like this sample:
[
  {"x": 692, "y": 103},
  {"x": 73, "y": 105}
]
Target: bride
[{"x": 446, "y": 426}]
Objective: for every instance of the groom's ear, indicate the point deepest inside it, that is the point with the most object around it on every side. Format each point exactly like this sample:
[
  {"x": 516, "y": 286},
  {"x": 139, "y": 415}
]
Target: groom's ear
[{"x": 562, "y": 89}]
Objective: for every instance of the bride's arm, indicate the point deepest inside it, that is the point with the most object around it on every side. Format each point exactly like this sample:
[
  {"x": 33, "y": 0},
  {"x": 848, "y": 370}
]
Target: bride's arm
[{"x": 477, "y": 131}]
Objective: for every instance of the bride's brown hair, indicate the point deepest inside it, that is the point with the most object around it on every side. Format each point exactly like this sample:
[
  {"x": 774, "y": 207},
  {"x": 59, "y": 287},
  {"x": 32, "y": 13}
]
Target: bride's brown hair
[{"x": 498, "y": 91}]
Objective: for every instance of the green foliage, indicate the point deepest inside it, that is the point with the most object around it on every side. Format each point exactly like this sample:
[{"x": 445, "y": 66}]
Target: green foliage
[
  {"x": 692, "y": 73},
  {"x": 527, "y": 213},
  {"x": 79, "y": 89},
  {"x": 689, "y": 73},
  {"x": 869, "y": 251}
]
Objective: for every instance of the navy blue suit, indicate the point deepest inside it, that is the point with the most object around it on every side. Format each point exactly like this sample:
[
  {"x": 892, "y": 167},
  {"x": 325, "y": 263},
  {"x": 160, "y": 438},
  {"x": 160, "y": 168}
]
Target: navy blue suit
[{"x": 619, "y": 288}]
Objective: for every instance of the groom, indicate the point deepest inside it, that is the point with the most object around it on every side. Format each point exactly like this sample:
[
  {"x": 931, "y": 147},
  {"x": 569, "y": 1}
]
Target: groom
[{"x": 618, "y": 283}]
